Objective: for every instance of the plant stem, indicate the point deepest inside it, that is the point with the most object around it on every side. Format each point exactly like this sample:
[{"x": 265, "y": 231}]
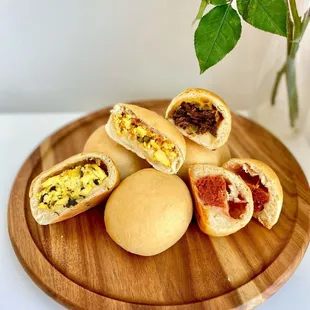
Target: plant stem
[
  {"x": 296, "y": 18},
  {"x": 201, "y": 10},
  {"x": 292, "y": 89},
  {"x": 289, "y": 29},
  {"x": 305, "y": 22},
  {"x": 293, "y": 40},
  {"x": 295, "y": 32},
  {"x": 277, "y": 83}
]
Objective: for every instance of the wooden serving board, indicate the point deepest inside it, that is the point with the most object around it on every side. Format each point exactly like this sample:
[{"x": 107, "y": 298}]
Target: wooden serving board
[{"x": 77, "y": 263}]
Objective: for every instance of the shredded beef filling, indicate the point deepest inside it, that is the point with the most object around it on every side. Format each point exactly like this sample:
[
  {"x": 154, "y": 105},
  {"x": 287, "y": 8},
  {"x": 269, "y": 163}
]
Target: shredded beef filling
[
  {"x": 259, "y": 191},
  {"x": 191, "y": 117},
  {"x": 212, "y": 191}
]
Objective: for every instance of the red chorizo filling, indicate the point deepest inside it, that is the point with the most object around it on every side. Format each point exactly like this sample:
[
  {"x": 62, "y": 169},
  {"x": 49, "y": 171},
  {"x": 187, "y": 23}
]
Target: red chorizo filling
[
  {"x": 213, "y": 190},
  {"x": 259, "y": 191}
]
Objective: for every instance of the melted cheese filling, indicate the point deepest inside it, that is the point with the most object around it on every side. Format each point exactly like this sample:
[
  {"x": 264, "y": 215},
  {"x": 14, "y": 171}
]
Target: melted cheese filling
[
  {"x": 164, "y": 151},
  {"x": 70, "y": 187}
]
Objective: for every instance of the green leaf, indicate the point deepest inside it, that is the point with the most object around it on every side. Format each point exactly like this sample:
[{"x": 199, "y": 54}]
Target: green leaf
[
  {"x": 217, "y": 34},
  {"x": 218, "y": 2},
  {"x": 267, "y": 15}
]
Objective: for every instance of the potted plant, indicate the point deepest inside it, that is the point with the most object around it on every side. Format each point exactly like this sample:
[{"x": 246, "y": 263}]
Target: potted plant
[{"x": 220, "y": 29}]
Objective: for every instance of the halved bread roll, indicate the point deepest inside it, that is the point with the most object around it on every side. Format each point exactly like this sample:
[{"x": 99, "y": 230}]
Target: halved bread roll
[
  {"x": 127, "y": 162},
  {"x": 265, "y": 186},
  {"x": 72, "y": 187},
  {"x": 223, "y": 201},
  {"x": 149, "y": 135},
  {"x": 201, "y": 116}
]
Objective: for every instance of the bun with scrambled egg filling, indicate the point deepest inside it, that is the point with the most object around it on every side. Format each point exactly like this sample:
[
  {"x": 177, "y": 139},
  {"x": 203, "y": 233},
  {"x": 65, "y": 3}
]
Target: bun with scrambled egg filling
[
  {"x": 198, "y": 154},
  {"x": 265, "y": 186},
  {"x": 72, "y": 187},
  {"x": 149, "y": 135},
  {"x": 148, "y": 212},
  {"x": 201, "y": 116},
  {"x": 127, "y": 162},
  {"x": 223, "y": 200}
]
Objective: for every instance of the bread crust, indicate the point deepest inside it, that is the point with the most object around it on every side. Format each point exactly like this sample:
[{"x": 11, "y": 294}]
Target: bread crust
[
  {"x": 215, "y": 221},
  {"x": 126, "y": 161},
  {"x": 269, "y": 216},
  {"x": 200, "y": 95},
  {"x": 149, "y": 212},
  {"x": 198, "y": 154},
  {"x": 98, "y": 195},
  {"x": 157, "y": 123}
]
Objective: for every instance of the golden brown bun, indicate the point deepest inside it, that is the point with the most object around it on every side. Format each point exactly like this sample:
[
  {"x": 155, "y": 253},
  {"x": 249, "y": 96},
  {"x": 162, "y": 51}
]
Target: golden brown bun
[
  {"x": 98, "y": 194},
  {"x": 148, "y": 212},
  {"x": 198, "y": 154},
  {"x": 157, "y": 123},
  {"x": 270, "y": 214},
  {"x": 199, "y": 95},
  {"x": 216, "y": 221},
  {"x": 127, "y": 162}
]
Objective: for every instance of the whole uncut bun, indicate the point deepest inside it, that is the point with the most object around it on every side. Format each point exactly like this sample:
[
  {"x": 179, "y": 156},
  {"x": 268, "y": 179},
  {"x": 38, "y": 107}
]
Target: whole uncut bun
[
  {"x": 198, "y": 154},
  {"x": 148, "y": 212}
]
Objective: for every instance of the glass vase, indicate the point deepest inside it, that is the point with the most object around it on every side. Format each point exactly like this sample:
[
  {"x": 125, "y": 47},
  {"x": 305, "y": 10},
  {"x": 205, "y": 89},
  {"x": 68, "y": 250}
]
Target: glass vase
[{"x": 276, "y": 118}]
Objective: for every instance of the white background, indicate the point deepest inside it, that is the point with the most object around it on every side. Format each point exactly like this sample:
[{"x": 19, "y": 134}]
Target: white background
[{"x": 77, "y": 55}]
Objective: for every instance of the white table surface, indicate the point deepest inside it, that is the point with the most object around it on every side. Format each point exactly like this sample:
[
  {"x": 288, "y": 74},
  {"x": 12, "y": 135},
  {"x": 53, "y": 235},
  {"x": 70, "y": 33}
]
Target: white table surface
[{"x": 19, "y": 135}]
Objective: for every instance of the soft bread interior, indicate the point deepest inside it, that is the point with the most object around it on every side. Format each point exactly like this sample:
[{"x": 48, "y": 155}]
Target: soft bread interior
[
  {"x": 204, "y": 98},
  {"x": 135, "y": 146},
  {"x": 214, "y": 220},
  {"x": 47, "y": 216},
  {"x": 272, "y": 209}
]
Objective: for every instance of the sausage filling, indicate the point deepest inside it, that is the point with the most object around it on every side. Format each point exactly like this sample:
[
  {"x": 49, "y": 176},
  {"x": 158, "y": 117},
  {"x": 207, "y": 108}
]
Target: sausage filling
[
  {"x": 164, "y": 151},
  {"x": 198, "y": 119},
  {"x": 215, "y": 191},
  {"x": 71, "y": 186},
  {"x": 259, "y": 191}
]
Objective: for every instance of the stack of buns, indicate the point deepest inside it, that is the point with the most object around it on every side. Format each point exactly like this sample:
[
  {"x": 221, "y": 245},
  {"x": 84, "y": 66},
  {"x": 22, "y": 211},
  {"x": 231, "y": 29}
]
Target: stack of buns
[{"x": 151, "y": 208}]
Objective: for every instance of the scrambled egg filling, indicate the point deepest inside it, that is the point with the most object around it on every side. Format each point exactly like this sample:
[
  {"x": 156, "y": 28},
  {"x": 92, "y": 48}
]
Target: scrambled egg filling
[
  {"x": 69, "y": 187},
  {"x": 164, "y": 151}
]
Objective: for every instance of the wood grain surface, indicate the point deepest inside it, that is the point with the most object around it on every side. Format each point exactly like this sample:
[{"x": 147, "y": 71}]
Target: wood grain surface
[{"x": 77, "y": 263}]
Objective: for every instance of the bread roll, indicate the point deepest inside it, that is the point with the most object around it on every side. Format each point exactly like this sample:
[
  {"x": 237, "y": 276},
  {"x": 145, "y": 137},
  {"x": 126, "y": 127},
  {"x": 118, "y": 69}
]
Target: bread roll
[
  {"x": 149, "y": 135},
  {"x": 72, "y": 187},
  {"x": 198, "y": 154},
  {"x": 201, "y": 116},
  {"x": 223, "y": 201},
  {"x": 148, "y": 212},
  {"x": 265, "y": 186},
  {"x": 127, "y": 162}
]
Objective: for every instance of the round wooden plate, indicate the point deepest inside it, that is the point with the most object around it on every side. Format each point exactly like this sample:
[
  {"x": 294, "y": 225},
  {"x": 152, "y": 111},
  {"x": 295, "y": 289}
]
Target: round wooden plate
[{"x": 81, "y": 267}]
